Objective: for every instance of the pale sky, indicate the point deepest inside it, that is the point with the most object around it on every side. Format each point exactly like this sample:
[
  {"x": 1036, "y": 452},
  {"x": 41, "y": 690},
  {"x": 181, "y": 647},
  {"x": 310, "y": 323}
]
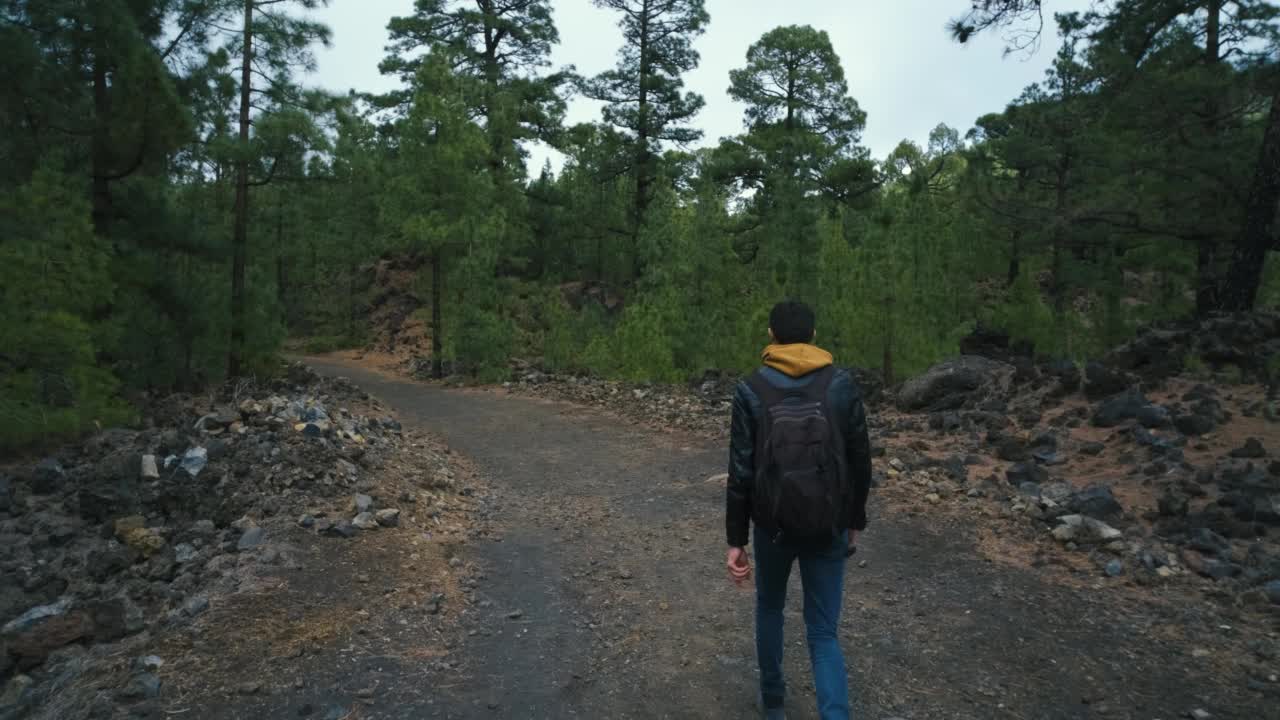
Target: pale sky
[{"x": 900, "y": 64}]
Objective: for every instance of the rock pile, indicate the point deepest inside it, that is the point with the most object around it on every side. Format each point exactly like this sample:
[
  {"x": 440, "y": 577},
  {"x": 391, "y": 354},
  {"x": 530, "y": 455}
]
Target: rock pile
[{"x": 137, "y": 528}]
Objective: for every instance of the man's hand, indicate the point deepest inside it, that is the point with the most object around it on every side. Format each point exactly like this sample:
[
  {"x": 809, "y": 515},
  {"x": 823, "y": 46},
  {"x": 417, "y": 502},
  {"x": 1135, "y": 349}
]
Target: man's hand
[
  {"x": 853, "y": 543},
  {"x": 739, "y": 565}
]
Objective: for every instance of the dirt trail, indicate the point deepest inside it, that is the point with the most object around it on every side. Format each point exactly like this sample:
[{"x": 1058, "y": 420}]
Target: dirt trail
[{"x": 606, "y": 598}]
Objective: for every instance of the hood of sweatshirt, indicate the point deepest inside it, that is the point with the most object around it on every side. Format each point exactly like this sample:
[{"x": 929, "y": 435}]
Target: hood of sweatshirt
[{"x": 796, "y": 360}]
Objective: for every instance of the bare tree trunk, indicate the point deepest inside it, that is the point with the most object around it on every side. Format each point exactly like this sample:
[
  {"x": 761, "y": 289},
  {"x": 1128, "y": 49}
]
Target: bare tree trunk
[
  {"x": 1207, "y": 261},
  {"x": 100, "y": 153},
  {"x": 643, "y": 180},
  {"x": 437, "y": 331},
  {"x": 240, "y": 233},
  {"x": 1239, "y": 289}
]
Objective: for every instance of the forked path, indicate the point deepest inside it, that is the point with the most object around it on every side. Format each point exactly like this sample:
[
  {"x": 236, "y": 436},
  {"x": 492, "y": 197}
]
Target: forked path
[{"x": 606, "y": 597}]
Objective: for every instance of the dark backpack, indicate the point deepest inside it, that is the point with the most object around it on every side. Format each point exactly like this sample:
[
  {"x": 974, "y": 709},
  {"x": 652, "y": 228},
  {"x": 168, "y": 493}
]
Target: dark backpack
[{"x": 800, "y": 464}]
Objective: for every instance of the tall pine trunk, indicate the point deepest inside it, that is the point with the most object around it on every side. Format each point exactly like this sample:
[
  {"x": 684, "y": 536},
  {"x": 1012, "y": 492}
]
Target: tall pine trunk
[
  {"x": 643, "y": 179},
  {"x": 101, "y": 151},
  {"x": 240, "y": 233},
  {"x": 1207, "y": 262},
  {"x": 1239, "y": 289}
]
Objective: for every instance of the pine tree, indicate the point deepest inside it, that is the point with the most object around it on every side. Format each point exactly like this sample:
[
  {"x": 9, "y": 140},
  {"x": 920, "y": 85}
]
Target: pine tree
[
  {"x": 644, "y": 94},
  {"x": 271, "y": 44}
]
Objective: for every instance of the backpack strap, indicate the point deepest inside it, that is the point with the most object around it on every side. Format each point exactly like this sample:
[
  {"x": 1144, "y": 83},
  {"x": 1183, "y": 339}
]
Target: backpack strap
[{"x": 815, "y": 390}]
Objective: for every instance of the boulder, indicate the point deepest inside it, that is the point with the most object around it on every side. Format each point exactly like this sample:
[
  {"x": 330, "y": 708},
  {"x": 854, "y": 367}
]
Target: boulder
[
  {"x": 1095, "y": 501},
  {"x": 1252, "y": 449},
  {"x": 388, "y": 517},
  {"x": 950, "y": 385},
  {"x": 1081, "y": 528},
  {"x": 1193, "y": 424},
  {"x": 1101, "y": 381},
  {"x": 47, "y": 477},
  {"x": 1012, "y": 449},
  {"x": 1209, "y": 542},
  {"x": 1056, "y": 492},
  {"x": 1174, "y": 504},
  {"x": 38, "y": 632},
  {"x": 1026, "y": 473},
  {"x": 1118, "y": 409},
  {"x": 1154, "y": 417},
  {"x": 107, "y": 560},
  {"x": 252, "y": 538}
]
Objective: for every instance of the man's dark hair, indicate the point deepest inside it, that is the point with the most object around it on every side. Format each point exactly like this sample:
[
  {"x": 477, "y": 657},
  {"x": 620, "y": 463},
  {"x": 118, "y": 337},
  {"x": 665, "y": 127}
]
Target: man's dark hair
[{"x": 791, "y": 322}]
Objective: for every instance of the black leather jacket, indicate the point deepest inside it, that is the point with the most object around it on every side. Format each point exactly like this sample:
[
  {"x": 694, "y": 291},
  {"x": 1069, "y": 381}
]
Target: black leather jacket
[{"x": 845, "y": 400}]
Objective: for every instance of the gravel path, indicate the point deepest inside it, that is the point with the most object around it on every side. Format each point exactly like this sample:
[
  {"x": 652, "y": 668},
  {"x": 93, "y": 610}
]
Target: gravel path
[{"x": 606, "y": 598}]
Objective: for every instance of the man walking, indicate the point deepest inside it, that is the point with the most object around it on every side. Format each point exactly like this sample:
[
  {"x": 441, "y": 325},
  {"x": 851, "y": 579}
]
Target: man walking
[{"x": 800, "y": 468}]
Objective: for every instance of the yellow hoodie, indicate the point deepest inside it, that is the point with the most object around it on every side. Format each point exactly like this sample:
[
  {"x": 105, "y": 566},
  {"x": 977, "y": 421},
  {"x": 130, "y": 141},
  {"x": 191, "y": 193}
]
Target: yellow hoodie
[{"x": 796, "y": 360}]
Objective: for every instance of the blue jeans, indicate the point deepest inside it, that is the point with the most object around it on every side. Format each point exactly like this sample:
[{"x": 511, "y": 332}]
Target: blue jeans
[{"x": 822, "y": 576}]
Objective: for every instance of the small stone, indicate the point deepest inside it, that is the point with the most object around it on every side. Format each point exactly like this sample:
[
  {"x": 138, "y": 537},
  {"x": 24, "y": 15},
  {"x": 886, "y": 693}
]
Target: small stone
[
  {"x": 933, "y": 498},
  {"x": 455, "y": 562},
  {"x": 184, "y": 553},
  {"x": 1199, "y": 714},
  {"x": 624, "y": 574},
  {"x": 150, "y": 663},
  {"x": 194, "y": 461},
  {"x": 365, "y": 521},
  {"x": 1273, "y": 591},
  {"x": 362, "y": 503},
  {"x": 340, "y": 529},
  {"x": 515, "y": 614},
  {"x": 195, "y": 606},
  {"x": 388, "y": 517},
  {"x": 307, "y": 521},
  {"x": 364, "y": 693},
  {"x": 1115, "y": 568},
  {"x": 250, "y": 688},
  {"x": 149, "y": 470},
  {"x": 143, "y": 686},
  {"x": 252, "y": 538}
]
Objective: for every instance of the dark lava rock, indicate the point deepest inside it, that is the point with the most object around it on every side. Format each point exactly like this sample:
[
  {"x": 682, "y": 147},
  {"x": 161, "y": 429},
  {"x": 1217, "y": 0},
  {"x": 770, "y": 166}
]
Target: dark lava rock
[
  {"x": 949, "y": 385},
  {"x": 143, "y": 686},
  {"x": 1118, "y": 409},
  {"x": 340, "y": 529},
  {"x": 1092, "y": 449},
  {"x": 252, "y": 538},
  {"x": 1154, "y": 417},
  {"x": 1174, "y": 504},
  {"x": 1194, "y": 424},
  {"x": 1095, "y": 501},
  {"x": 1026, "y": 473},
  {"x": 1012, "y": 449},
  {"x": 107, "y": 560},
  {"x": 1252, "y": 449},
  {"x": 1209, "y": 542},
  {"x": 1101, "y": 381},
  {"x": 47, "y": 477},
  {"x": 41, "y": 630}
]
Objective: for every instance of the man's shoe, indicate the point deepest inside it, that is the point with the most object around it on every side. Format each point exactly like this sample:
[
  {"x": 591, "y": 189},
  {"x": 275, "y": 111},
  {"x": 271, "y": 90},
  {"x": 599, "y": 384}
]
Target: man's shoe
[{"x": 770, "y": 713}]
